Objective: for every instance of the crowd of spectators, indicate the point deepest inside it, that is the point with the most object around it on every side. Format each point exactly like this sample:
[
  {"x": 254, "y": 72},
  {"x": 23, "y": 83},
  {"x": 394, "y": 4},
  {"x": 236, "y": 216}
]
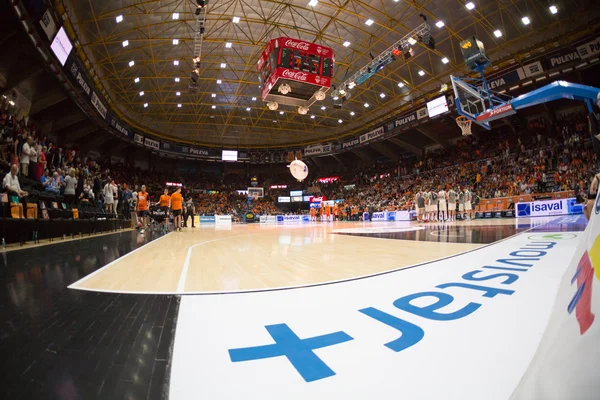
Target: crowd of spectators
[{"x": 505, "y": 163}]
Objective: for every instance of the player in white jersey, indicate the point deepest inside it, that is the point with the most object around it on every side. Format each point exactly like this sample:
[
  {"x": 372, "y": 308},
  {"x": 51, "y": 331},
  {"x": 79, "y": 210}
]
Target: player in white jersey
[
  {"x": 442, "y": 197},
  {"x": 427, "y": 206},
  {"x": 452, "y": 204},
  {"x": 468, "y": 207}
]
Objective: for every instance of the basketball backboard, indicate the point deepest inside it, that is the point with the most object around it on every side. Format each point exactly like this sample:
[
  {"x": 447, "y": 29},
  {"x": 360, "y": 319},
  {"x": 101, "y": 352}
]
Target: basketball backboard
[{"x": 470, "y": 101}]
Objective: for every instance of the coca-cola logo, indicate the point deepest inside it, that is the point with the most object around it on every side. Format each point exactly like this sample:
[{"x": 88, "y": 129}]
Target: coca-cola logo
[
  {"x": 319, "y": 50},
  {"x": 297, "y": 45},
  {"x": 317, "y": 79},
  {"x": 295, "y": 75}
]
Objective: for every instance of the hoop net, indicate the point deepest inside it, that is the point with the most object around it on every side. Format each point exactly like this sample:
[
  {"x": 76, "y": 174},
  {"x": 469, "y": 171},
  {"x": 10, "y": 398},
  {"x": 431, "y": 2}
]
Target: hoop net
[{"x": 465, "y": 125}]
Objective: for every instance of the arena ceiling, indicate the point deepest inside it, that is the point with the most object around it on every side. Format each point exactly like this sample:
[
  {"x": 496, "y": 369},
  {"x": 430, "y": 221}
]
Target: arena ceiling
[{"x": 217, "y": 115}]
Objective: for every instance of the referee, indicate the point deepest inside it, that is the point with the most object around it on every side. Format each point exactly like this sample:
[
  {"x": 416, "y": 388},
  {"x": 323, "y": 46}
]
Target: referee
[{"x": 190, "y": 211}]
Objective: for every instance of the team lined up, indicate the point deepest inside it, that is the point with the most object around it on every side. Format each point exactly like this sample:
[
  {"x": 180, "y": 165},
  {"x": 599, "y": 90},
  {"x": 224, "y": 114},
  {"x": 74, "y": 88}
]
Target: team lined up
[{"x": 441, "y": 205}]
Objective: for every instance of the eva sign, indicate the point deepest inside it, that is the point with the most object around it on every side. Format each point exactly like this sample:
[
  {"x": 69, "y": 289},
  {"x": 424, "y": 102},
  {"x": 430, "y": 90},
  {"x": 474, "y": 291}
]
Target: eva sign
[{"x": 223, "y": 219}]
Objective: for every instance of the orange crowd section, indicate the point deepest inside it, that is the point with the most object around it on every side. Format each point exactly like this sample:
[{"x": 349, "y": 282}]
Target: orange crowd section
[{"x": 502, "y": 203}]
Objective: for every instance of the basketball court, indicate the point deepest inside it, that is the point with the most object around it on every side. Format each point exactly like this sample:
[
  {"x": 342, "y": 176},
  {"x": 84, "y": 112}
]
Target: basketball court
[{"x": 239, "y": 287}]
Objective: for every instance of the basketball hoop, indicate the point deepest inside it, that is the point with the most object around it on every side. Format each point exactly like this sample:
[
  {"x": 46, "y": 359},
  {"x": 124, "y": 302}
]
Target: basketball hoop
[{"x": 465, "y": 125}]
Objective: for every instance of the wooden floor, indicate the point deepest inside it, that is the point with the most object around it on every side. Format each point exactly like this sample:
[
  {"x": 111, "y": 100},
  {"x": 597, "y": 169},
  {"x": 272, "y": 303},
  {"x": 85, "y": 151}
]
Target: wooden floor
[{"x": 219, "y": 259}]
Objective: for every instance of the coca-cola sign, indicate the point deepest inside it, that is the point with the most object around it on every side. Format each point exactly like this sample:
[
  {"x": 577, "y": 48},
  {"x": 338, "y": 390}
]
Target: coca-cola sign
[
  {"x": 295, "y": 75},
  {"x": 297, "y": 45}
]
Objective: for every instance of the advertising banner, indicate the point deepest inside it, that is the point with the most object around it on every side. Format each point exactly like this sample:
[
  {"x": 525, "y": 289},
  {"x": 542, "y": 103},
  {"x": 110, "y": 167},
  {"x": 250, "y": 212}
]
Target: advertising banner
[
  {"x": 374, "y": 134},
  {"x": 223, "y": 219},
  {"x": 98, "y": 105},
  {"x": 561, "y": 59},
  {"x": 153, "y": 144},
  {"x": 589, "y": 49},
  {"x": 506, "y": 80},
  {"x": 207, "y": 219},
  {"x": 139, "y": 139},
  {"x": 289, "y": 218},
  {"x": 545, "y": 208},
  {"x": 313, "y": 150},
  {"x": 535, "y": 68},
  {"x": 350, "y": 143}
]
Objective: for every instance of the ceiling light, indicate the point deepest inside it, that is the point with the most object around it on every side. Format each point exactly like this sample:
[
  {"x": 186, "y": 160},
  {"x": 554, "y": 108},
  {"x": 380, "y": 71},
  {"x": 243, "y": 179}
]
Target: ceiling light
[
  {"x": 235, "y": 20},
  {"x": 470, "y": 6},
  {"x": 145, "y": 105},
  {"x": 142, "y": 93},
  {"x": 280, "y": 112},
  {"x": 136, "y": 80},
  {"x": 213, "y": 107},
  {"x": 213, "y": 95},
  {"x": 119, "y": 18},
  {"x": 498, "y": 33},
  {"x": 412, "y": 41},
  {"x": 131, "y": 63},
  {"x": 212, "y": 116},
  {"x": 346, "y": 43},
  {"x": 421, "y": 72},
  {"x": 352, "y": 113},
  {"x": 248, "y": 109},
  {"x": 12, "y": 103},
  {"x": 445, "y": 60},
  {"x": 179, "y": 105},
  {"x": 125, "y": 43},
  {"x": 526, "y": 20},
  {"x": 553, "y": 9},
  {"x": 401, "y": 84},
  {"x": 176, "y": 62},
  {"x": 228, "y": 45},
  {"x": 175, "y": 42},
  {"x": 274, "y": 121},
  {"x": 219, "y": 81},
  {"x": 322, "y": 108},
  {"x": 313, "y": 3},
  {"x": 223, "y": 65},
  {"x": 254, "y": 99},
  {"x": 340, "y": 121},
  {"x": 336, "y": 98},
  {"x": 367, "y": 105},
  {"x": 312, "y": 117},
  {"x": 177, "y": 79},
  {"x": 369, "y": 22},
  {"x": 382, "y": 95},
  {"x": 175, "y": 15},
  {"x": 440, "y": 24},
  {"x": 177, "y": 93}
]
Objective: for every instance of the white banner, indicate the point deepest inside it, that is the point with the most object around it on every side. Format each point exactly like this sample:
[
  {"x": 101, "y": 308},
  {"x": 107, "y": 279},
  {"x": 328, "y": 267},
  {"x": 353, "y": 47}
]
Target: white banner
[
  {"x": 153, "y": 144},
  {"x": 313, "y": 150},
  {"x": 535, "y": 68},
  {"x": 374, "y": 134},
  {"x": 98, "y": 105},
  {"x": 422, "y": 113},
  {"x": 589, "y": 49},
  {"x": 48, "y": 24},
  {"x": 223, "y": 219},
  {"x": 139, "y": 139}
]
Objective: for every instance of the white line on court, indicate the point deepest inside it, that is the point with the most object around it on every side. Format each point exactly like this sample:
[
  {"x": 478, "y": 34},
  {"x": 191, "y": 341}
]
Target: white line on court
[
  {"x": 186, "y": 264},
  {"x": 85, "y": 278}
]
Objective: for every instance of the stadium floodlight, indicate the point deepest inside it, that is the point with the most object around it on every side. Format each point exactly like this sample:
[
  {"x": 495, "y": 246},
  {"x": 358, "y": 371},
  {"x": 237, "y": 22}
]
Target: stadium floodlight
[
  {"x": 470, "y": 6},
  {"x": 131, "y": 63},
  {"x": 175, "y": 62},
  {"x": 553, "y": 9},
  {"x": 136, "y": 80},
  {"x": 346, "y": 43},
  {"x": 526, "y": 20},
  {"x": 440, "y": 24},
  {"x": 498, "y": 33},
  {"x": 125, "y": 43},
  {"x": 228, "y": 45},
  {"x": 145, "y": 105},
  {"x": 235, "y": 20},
  {"x": 445, "y": 60},
  {"x": 421, "y": 73},
  {"x": 175, "y": 42},
  {"x": 313, "y": 3},
  {"x": 119, "y": 18},
  {"x": 369, "y": 22},
  {"x": 175, "y": 15}
]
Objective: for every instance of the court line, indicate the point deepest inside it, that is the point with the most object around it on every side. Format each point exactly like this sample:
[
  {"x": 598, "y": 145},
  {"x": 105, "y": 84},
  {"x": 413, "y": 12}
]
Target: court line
[
  {"x": 85, "y": 278},
  {"x": 186, "y": 263}
]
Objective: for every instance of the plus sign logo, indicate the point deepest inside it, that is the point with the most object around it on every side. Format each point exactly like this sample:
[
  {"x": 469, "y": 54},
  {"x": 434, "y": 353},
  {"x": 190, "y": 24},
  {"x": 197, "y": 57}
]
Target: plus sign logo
[
  {"x": 523, "y": 210},
  {"x": 298, "y": 351},
  {"x": 553, "y": 236}
]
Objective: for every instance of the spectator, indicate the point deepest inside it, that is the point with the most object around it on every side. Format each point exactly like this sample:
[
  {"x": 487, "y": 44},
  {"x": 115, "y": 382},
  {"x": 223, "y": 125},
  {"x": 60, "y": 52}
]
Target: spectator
[
  {"x": 70, "y": 185},
  {"x": 10, "y": 183},
  {"x": 108, "y": 196},
  {"x": 53, "y": 185},
  {"x": 41, "y": 164},
  {"x": 27, "y": 152},
  {"x": 33, "y": 160}
]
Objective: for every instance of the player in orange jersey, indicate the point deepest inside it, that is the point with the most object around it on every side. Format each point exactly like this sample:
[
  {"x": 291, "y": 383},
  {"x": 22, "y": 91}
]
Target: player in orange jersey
[
  {"x": 143, "y": 206},
  {"x": 164, "y": 204},
  {"x": 313, "y": 214},
  {"x": 177, "y": 206},
  {"x": 327, "y": 213}
]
